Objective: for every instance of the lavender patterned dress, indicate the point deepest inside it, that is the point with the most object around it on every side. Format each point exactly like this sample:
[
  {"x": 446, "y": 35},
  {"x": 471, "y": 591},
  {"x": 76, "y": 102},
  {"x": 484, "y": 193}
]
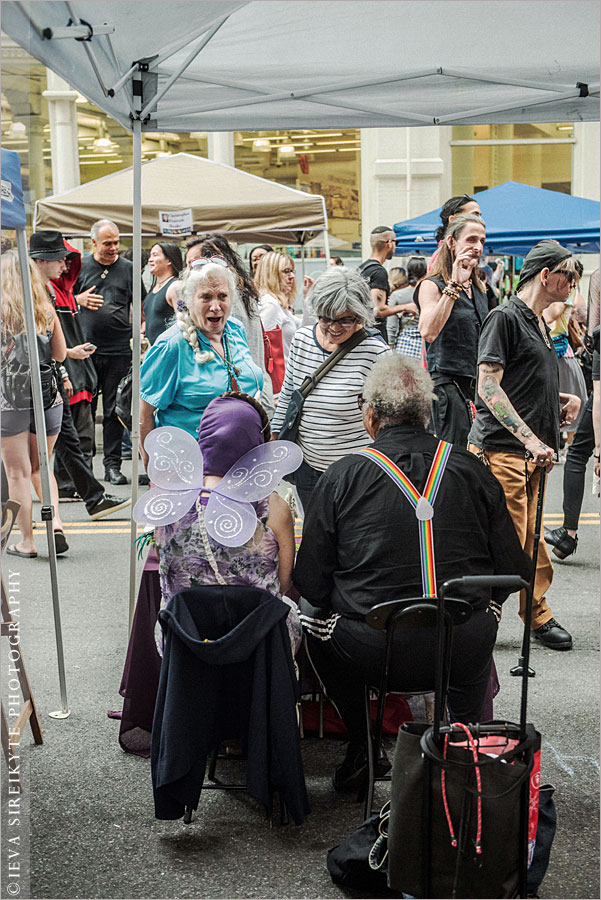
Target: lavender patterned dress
[{"x": 183, "y": 562}]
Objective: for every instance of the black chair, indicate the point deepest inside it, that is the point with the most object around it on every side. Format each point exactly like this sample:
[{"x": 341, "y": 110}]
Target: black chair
[
  {"x": 227, "y": 673},
  {"x": 442, "y": 613},
  {"x": 439, "y": 613}
]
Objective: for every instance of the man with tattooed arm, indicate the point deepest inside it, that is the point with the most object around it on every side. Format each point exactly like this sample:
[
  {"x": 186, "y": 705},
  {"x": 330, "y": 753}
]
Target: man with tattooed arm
[{"x": 519, "y": 408}]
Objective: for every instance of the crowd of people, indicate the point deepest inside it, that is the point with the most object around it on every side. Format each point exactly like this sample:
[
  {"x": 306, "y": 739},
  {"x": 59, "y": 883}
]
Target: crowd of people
[{"x": 413, "y": 364}]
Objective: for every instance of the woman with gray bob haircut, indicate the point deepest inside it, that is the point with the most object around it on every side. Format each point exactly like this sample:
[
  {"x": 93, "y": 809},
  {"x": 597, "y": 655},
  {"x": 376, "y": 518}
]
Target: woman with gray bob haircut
[
  {"x": 331, "y": 425},
  {"x": 399, "y": 391},
  {"x": 342, "y": 291}
]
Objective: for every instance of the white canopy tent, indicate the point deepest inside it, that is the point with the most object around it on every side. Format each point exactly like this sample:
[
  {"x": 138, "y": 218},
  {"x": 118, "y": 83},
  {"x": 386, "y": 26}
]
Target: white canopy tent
[
  {"x": 218, "y": 65},
  {"x": 222, "y": 199},
  {"x": 203, "y": 65}
]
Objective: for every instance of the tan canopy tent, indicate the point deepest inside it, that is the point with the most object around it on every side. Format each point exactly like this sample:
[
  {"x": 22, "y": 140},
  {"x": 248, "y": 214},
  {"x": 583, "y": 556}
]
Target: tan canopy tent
[{"x": 222, "y": 199}]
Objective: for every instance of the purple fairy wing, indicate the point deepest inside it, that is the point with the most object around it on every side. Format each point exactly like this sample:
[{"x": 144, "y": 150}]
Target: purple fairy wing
[
  {"x": 160, "y": 507},
  {"x": 258, "y": 472},
  {"x": 175, "y": 460},
  {"x": 229, "y": 522}
]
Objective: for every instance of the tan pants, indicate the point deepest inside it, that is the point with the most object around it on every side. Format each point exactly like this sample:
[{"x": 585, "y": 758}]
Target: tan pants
[{"x": 521, "y": 497}]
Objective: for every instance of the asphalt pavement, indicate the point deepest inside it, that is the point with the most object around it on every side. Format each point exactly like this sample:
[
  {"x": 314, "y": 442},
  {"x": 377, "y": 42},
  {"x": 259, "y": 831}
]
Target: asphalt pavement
[{"x": 88, "y": 806}]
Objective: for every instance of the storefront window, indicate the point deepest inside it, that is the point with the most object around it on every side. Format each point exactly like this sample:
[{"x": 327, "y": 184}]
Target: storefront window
[
  {"x": 487, "y": 155},
  {"x": 319, "y": 162}
]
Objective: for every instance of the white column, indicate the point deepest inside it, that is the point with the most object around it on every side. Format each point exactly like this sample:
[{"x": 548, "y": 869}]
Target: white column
[
  {"x": 585, "y": 160},
  {"x": 585, "y": 181},
  {"x": 221, "y": 147},
  {"x": 397, "y": 185},
  {"x": 63, "y": 133}
]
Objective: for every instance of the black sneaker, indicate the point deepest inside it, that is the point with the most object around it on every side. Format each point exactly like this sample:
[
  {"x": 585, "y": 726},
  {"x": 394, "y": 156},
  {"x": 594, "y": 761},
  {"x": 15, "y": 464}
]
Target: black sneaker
[
  {"x": 553, "y": 636},
  {"x": 107, "y": 505},
  {"x": 351, "y": 774},
  {"x": 563, "y": 544}
]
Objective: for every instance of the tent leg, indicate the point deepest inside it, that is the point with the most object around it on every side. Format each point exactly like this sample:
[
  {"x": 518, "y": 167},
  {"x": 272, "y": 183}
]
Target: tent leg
[
  {"x": 326, "y": 245},
  {"x": 137, "y": 324},
  {"x": 40, "y": 427}
]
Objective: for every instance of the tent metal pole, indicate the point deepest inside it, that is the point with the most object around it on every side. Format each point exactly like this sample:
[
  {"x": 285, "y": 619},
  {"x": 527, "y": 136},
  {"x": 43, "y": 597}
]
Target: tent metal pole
[
  {"x": 170, "y": 50},
  {"x": 408, "y": 178},
  {"x": 310, "y": 95},
  {"x": 511, "y": 107},
  {"x": 87, "y": 46},
  {"x": 189, "y": 59},
  {"x": 326, "y": 235},
  {"x": 40, "y": 427},
  {"x": 137, "y": 324}
]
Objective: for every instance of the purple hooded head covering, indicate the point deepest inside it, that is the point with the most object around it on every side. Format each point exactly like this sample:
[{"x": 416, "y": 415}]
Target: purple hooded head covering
[{"x": 229, "y": 428}]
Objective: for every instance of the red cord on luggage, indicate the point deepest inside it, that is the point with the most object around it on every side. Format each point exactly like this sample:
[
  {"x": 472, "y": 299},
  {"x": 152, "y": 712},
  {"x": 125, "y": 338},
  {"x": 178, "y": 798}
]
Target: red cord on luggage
[{"x": 473, "y": 747}]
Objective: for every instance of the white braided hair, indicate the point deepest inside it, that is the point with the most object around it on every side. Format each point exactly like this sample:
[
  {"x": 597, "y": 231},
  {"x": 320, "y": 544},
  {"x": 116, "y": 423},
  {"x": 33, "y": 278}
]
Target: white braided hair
[{"x": 191, "y": 281}]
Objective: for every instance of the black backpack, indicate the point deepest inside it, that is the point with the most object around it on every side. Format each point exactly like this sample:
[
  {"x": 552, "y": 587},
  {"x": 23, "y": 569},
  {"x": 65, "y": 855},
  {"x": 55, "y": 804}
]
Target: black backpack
[{"x": 16, "y": 374}]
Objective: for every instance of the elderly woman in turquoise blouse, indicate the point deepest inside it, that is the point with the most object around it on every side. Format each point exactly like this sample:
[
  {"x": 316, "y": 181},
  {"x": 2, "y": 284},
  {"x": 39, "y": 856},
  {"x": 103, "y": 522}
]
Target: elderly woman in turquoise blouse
[{"x": 202, "y": 355}]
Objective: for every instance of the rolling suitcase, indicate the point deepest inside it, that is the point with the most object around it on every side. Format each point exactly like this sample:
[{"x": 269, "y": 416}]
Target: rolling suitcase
[{"x": 464, "y": 799}]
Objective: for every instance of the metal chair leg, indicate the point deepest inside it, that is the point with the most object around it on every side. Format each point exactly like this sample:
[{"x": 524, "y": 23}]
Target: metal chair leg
[
  {"x": 213, "y": 765},
  {"x": 371, "y": 774}
]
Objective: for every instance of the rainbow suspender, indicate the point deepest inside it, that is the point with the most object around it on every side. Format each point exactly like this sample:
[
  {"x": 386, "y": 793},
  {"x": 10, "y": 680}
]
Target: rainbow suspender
[{"x": 423, "y": 504}]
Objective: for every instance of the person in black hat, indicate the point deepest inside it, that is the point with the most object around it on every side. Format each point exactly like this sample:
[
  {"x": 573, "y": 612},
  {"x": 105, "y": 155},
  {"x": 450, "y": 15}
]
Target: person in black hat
[
  {"x": 59, "y": 267},
  {"x": 48, "y": 246},
  {"x": 519, "y": 408}
]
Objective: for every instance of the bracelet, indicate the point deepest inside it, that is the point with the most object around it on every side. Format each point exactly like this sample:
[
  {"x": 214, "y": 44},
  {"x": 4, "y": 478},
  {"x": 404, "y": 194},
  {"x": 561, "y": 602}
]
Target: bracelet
[
  {"x": 596, "y": 456},
  {"x": 454, "y": 285},
  {"x": 450, "y": 293}
]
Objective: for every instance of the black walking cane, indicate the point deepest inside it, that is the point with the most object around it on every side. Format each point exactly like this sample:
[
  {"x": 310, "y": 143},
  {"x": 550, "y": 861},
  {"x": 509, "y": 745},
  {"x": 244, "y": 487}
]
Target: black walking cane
[{"x": 523, "y": 662}]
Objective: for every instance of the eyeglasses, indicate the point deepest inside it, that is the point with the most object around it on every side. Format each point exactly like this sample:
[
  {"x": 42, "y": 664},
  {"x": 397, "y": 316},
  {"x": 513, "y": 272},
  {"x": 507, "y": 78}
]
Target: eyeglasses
[
  {"x": 203, "y": 260},
  {"x": 345, "y": 321},
  {"x": 361, "y": 401}
]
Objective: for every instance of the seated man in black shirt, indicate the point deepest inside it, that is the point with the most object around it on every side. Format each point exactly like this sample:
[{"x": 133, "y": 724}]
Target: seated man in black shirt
[
  {"x": 516, "y": 430},
  {"x": 361, "y": 547}
]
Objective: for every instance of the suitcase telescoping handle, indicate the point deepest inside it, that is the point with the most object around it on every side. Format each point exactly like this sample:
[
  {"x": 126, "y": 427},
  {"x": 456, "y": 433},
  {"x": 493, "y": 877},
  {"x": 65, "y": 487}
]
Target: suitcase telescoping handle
[{"x": 510, "y": 582}]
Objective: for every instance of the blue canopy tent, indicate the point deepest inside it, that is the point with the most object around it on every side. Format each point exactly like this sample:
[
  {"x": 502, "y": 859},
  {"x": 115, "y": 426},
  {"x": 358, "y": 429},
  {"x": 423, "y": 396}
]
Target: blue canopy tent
[
  {"x": 12, "y": 217},
  {"x": 517, "y": 216}
]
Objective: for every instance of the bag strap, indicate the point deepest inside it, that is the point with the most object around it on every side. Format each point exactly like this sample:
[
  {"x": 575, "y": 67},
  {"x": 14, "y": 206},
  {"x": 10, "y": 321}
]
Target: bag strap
[
  {"x": 423, "y": 504},
  {"x": 311, "y": 381}
]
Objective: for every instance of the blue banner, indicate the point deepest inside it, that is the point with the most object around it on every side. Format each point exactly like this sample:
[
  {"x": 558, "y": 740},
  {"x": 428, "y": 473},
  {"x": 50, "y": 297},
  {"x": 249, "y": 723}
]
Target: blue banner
[{"x": 12, "y": 214}]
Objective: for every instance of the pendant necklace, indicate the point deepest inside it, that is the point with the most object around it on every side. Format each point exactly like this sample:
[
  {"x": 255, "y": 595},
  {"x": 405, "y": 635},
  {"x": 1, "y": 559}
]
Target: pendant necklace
[
  {"x": 543, "y": 331},
  {"x": 231, "y": 369}
]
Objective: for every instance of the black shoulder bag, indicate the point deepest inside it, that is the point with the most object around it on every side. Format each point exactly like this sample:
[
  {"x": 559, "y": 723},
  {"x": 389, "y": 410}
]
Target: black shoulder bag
[{"x": 289, "y": 430}]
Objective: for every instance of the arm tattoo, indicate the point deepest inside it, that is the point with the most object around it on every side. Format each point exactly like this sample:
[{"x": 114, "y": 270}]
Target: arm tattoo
[{"x": 497, "y": 401}]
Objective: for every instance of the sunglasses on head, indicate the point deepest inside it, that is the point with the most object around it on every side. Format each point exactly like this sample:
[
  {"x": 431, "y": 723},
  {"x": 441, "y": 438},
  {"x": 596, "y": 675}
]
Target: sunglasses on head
[
  {"x": 571, "y": 276},
  {"x": 203, "y": 261}
]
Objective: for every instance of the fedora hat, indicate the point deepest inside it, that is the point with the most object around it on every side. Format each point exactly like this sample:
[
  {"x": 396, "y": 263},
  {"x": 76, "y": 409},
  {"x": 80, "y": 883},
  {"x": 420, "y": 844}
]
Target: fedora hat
[{"x": 48, "y": 245}]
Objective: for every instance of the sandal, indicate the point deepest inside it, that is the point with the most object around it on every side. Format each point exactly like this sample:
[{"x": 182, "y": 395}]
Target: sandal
[
  {"x": 14, "y": 552},
  {"x": 60, "y": 541}
]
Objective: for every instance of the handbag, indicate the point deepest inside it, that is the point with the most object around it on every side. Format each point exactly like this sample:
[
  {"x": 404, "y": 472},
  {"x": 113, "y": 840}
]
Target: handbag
[
  {"x": 275, "y": 364},
  {"x": 361, "y": 860},
  {"x": 473, "y": 820},
  {"x": 16, "y": 374},
  {"x": 289, "y": 430}
]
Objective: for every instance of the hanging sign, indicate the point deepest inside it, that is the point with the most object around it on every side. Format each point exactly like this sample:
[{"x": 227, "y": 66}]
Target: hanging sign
[{"x": 176, "y": 223}]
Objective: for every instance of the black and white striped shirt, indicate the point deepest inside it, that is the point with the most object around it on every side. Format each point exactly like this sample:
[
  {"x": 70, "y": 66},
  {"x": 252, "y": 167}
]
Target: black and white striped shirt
[{"x": 331, "y": 425}]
